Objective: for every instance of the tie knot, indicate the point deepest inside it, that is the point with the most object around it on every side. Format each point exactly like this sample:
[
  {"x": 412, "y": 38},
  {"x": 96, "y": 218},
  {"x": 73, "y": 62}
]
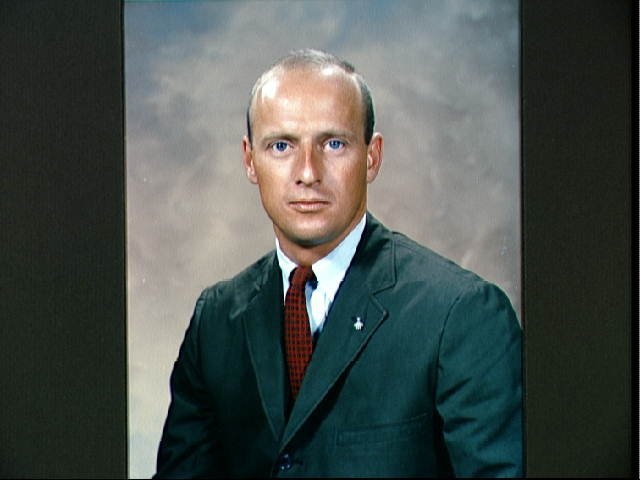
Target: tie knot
[{"x": 301, "y": 275}]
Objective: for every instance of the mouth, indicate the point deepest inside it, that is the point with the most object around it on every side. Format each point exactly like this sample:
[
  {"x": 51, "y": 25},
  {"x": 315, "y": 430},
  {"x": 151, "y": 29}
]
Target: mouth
[{"x": 308, "y": 206}]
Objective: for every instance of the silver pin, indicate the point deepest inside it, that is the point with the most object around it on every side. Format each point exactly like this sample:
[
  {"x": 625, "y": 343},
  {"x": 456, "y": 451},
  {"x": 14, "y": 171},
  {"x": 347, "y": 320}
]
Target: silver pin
[{"x": 358, "y": 324}]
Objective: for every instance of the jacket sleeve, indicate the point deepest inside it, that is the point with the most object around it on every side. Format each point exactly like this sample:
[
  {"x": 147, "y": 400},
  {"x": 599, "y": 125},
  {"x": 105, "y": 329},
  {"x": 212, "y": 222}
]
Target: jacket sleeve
[
  {"x": 479, "y": 388},
  {"x": 188, "y": 444}
]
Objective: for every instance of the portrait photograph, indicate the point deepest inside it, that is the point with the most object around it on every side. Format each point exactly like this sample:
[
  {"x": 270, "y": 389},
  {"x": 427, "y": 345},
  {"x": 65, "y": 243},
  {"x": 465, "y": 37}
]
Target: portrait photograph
[{"x": 444, "y": 77}]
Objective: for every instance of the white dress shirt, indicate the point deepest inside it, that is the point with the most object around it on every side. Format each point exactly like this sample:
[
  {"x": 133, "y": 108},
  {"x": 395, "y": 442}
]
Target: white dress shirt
[{"x": 329, "y": 272}]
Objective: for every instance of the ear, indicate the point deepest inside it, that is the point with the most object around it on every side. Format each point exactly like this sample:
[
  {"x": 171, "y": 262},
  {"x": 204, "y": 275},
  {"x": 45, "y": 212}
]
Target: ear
[
  {"x": 247, "y": 160},
  {"x": 374, "y": 157}
]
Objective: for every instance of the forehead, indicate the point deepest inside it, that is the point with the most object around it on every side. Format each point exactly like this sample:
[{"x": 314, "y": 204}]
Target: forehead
[{"x": 305, "y": 90}]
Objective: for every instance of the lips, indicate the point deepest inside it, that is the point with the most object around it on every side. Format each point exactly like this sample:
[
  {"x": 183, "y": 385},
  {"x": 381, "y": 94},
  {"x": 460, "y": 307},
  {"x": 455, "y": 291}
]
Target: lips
[{"x": 308, "y": 205}]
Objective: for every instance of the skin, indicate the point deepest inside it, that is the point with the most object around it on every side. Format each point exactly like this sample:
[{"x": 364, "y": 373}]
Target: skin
[{"x": 309, "y": 158}]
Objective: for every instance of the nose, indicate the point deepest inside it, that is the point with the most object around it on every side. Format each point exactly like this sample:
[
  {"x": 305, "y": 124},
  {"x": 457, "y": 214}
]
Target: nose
[{"x": 309, "y": 169}]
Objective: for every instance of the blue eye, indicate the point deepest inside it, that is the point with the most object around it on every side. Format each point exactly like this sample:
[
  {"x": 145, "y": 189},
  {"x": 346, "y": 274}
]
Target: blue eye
[
  {"x": 335, "y": 144},
  {"x": 280, "y": 146}
]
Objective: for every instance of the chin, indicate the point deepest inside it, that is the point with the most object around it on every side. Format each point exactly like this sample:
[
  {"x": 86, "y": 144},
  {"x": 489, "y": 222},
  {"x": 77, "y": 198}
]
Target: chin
[
  {"x": 310, "y": 236},
  {"x": 311, "y": 240}
]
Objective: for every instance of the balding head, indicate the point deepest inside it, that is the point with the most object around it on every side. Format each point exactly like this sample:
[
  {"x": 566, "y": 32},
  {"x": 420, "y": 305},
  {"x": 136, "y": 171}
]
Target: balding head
[{"x": 309, "y": 59}]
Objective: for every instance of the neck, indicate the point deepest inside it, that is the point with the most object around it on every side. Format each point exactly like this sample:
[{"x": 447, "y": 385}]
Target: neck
[{"x": 308, "y": 254}]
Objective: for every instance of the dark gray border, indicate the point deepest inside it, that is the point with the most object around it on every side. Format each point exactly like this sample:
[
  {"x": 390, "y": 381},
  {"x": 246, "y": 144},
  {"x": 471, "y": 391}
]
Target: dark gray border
[
  {"x": 578, "y": 182},
  {"x": 63, "y": 298},
  {"x": 63, "y": 386}
]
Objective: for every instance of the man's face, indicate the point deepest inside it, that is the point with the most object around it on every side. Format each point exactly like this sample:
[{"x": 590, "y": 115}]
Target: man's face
[{"x": 309, "y": 158}]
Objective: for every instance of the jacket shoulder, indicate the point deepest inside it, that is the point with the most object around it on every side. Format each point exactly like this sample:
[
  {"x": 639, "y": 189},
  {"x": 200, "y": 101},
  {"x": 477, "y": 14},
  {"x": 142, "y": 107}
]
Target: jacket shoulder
[
  {"x": 416, "y": 262},
  {"x": 237, "y": 291},
  {"x": 393, "y": 260},
  {"x": 443, "y": 283}
]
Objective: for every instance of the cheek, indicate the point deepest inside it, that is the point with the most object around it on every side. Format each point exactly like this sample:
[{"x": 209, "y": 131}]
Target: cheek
[
  {"x": 270, "y": 186},
  {"x": 265, "y": 177},
  {"x": 353, "y": 178}
]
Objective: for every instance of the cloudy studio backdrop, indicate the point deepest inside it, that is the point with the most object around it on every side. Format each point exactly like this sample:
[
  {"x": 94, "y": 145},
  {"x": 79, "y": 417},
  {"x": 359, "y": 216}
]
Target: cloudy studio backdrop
[{"x": 445, "y": 82}]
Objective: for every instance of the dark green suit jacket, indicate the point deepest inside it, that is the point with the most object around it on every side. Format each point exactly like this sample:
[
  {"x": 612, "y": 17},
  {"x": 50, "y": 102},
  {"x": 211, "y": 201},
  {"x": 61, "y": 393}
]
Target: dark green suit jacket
[{"x": 430, "y": 386}]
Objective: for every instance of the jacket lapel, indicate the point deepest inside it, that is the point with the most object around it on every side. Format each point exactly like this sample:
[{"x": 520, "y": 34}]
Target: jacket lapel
[
  {"x": 354, "y": 317},
  {"x": 263, "y": 331}
]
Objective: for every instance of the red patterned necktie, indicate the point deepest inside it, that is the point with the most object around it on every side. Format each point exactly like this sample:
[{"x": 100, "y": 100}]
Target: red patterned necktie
[{"x": 297, "y": 333}]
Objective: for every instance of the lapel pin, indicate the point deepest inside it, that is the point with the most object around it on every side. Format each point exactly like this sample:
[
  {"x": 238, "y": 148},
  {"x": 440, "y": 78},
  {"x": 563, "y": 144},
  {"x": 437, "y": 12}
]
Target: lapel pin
[{"x": 358, "y": 324}]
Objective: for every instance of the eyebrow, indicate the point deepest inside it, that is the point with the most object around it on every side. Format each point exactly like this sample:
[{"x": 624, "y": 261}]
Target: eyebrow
[
  {"x": 277, "y": 136},
  {"x": 340, "y": 134}
]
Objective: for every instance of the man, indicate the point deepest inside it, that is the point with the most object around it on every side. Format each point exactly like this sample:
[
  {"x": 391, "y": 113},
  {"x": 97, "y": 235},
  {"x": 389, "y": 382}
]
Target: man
[{"x": 414, "y": 364}]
